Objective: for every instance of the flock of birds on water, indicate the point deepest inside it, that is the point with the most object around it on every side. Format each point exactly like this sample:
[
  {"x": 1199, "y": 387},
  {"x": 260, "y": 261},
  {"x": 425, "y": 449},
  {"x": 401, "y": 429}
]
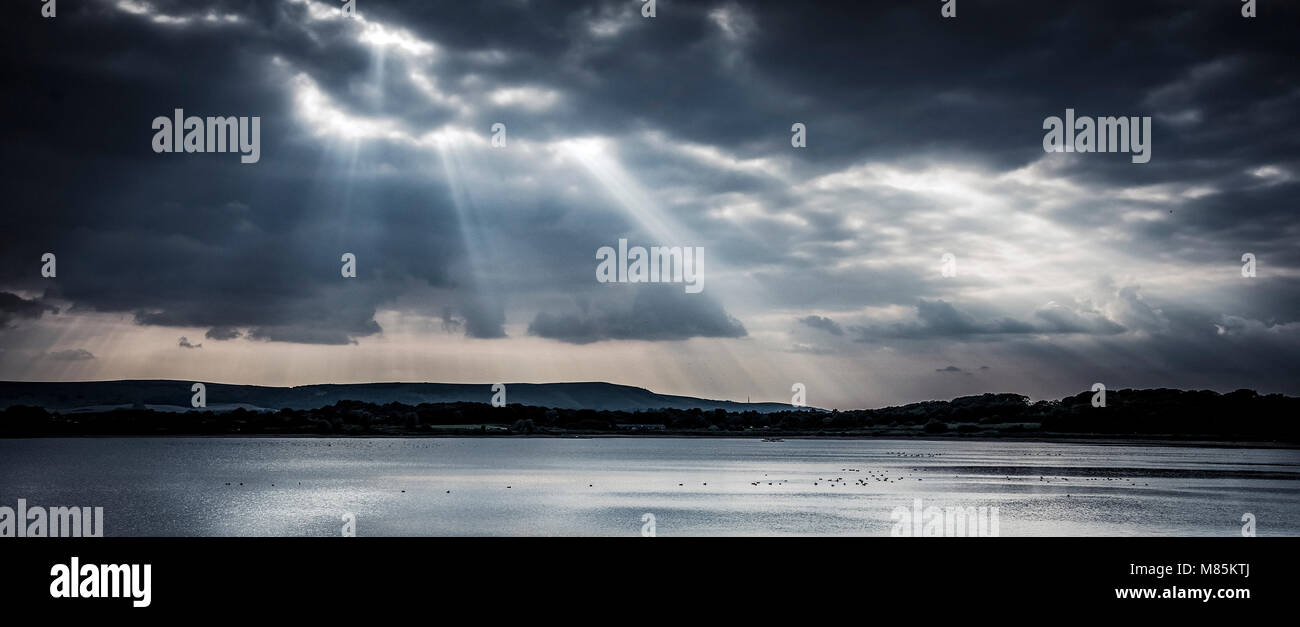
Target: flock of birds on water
[{"x": 873, "y": 476}]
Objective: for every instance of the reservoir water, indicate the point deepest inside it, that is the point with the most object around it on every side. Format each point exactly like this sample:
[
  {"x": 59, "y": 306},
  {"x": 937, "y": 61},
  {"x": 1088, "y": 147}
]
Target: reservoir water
[{"x": 605, "y": 486}]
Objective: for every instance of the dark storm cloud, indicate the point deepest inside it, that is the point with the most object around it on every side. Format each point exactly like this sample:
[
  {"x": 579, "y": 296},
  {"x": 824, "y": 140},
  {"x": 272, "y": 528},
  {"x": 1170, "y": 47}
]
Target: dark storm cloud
[
  {"x": 203, "y": 241},
  {"x": 896, "y": 82},
  {"x": 884, "y": 80},
  {"x": 14, "y": 307},
  {"x": 656, "y": 313}
]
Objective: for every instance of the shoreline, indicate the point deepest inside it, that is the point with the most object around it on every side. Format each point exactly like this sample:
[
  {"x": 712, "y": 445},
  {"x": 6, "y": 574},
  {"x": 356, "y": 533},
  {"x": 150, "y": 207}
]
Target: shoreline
[{"x": 1054, "y": 439}]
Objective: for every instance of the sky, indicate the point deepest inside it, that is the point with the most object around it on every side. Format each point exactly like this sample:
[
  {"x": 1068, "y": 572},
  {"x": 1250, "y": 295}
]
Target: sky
[{"x": 821, "y": 264}]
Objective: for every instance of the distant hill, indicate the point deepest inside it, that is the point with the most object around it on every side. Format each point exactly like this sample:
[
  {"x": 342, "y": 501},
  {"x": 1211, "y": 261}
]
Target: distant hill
[
  {"x": 127, "y": 408},
  {"x": 165, "y": 395}
]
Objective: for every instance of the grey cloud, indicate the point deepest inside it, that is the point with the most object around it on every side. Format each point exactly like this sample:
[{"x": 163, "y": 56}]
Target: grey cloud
[
  {"x": 825, "y": 324},
  {"x": 304, "y": 335},
  {"x": 1059, "y": 318},
  {"x": 940, "y": 319},
  {"x": 484, "y": 317},
  {"x": 71, "y": 354},
  {"x": 223, "y": 333},
  {"x": 656, "y": 313}
]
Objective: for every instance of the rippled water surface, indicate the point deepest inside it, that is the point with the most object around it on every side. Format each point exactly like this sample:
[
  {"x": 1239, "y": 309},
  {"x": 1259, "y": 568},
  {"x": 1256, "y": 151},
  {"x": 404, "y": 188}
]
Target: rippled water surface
[{"x": 604, "y": 486}]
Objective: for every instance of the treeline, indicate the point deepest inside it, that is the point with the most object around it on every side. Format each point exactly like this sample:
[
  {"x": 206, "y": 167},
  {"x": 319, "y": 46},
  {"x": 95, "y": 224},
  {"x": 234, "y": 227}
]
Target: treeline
[{"x": 1160, "y": 413}]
